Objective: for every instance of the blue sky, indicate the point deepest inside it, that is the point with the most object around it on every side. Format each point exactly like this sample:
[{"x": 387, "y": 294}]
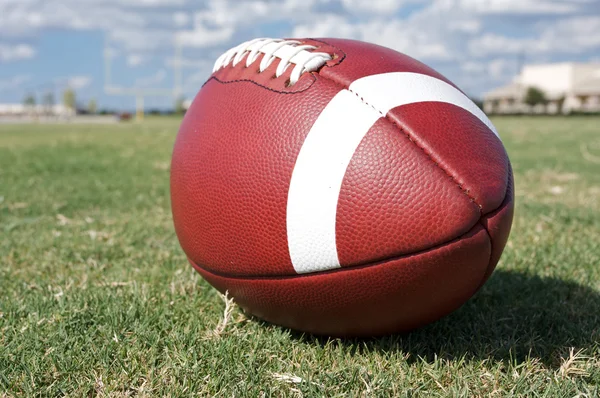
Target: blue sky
[{"x": 47, "y": 45}]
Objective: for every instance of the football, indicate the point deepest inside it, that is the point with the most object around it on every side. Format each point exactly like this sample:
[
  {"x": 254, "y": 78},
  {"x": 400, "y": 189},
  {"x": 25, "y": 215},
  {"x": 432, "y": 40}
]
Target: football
[{"x": 338, "y": 187}]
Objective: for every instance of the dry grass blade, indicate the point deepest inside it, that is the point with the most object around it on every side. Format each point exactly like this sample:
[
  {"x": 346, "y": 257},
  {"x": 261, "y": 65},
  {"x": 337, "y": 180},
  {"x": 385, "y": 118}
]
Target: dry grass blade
[
  {"x": 99, "y": 384},
  {"x": 288, "y": 378},
  {"x": 571, "y": 365},
  {"x": 229, "y": 306},
  {"x": 114, "y": 284},
  {"x": 292, "y": 379},
  {"x": 62, "y": 220}
]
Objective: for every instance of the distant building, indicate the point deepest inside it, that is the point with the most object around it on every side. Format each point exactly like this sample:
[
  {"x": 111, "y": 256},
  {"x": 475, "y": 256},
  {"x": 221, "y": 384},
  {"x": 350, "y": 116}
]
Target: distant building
[
  {"x": 18, "y": 110},
  {"x": 568, "y": 87}
]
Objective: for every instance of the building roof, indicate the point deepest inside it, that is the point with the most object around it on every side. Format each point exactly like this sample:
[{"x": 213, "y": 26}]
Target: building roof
[
  {"x": 513, "y": 90},
  {"x": 21, "y": 108},
  {"x": 588, "y": 86},
  {"x": 555, "y": 80}
]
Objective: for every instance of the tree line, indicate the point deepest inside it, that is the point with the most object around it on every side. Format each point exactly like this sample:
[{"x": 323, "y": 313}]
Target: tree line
[{"x": 69, "y": 101}]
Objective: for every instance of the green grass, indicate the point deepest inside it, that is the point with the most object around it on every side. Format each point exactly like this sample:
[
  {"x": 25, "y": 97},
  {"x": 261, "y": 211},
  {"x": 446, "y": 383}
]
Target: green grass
[{"x": 96, "y": 298}]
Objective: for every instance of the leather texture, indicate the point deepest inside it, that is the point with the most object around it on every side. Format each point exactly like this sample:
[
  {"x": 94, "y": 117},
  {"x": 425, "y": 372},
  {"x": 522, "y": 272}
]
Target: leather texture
[
  {"x": 394, "y": 201},
  {"x": 424, "y": 210},
  {"x": 355, "y": 59},
  {"x": 498, "y": 224},
  {"x": 231, "y": 169},
  {"x": 396, "y": 295},
  {"x": 474, "y": 160}
]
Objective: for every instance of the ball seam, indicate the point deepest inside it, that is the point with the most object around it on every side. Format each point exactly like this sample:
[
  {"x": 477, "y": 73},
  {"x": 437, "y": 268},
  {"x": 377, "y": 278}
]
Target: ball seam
[
  {"x": 411, "y": 139},
  {"x": 373, "y": 263}
]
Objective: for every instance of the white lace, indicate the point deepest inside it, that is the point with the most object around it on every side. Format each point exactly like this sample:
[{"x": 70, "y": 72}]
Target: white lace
[{"x": 288, "y": 51}]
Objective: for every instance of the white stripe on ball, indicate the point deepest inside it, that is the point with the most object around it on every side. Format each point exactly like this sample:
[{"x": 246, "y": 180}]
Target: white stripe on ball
[{"x": 329, "y": 146}]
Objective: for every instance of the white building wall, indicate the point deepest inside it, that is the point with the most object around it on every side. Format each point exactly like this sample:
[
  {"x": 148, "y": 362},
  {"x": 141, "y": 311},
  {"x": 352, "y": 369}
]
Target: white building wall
[
  {"x": 583, "y": 72},
  {"x": 20, "y": 109},
  {"x": 11, "y": 109},
  {"x": 554, "y": 79},
  {"x": 576, "y": 83},
  {"x": 571, "y": 103}
]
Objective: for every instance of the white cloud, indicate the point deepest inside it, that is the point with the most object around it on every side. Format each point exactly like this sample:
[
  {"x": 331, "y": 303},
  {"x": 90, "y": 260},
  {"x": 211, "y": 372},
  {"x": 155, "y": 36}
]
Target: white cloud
[
  {"x": 497, "y": 69},
  {"x": 469, "y": 26},
  {"x": 238, "y": 14},
  {"x": 140, "y": 40},
  {"x": 473, "y": 67},
  {"x": 199, "y": 63},
  {"x": 16, "y": 52},
  {"x": 28, "y": 18},
  {"x": 501, "y": 68},
  {"x": 203, "y": 37},
  {"x": 134, "y": 60},
  {"x": 373, "y": 7},
  {"x": 461, "y": 38},
  {"x": 79, "y": 82},
  {"x": 492, "y": 43},
  {"x": 328, "y": 26},
  {"x": 573, "y": 35},
  {"x": 217, "y": 24},
  {"x": 397, "y": 34},
  {"x": 534, "y": 7},
  {"x": 148, "y": 3},
  {"x": 181, "y": 19}
]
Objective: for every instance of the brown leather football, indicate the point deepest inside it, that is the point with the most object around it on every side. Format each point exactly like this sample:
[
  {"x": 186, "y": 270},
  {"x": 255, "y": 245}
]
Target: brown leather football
[{"x": 339, "y": 187}]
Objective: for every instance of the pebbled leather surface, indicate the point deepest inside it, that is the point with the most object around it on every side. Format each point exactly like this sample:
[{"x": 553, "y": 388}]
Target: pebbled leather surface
[
  {"x": 231, "y": 168},
  {"x": 498, "y": 224},
  {"x": 392, "y": 296},
  {"x": 424, "y": 212},
  {"x": 472, "y": 156},
  {"x": 395, "y": 201},
  {"x": 361, "y": 59}
]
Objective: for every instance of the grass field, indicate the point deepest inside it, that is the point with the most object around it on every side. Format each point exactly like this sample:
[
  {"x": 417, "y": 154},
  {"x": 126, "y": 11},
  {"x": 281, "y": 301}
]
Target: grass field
[{"x": 96, "y": 298}]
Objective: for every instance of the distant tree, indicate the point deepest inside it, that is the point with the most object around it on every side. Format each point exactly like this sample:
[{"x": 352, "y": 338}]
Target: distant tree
[
  {"x": 179, "y": 106},
  {"x": 560, "y": 102},
  {"x": 48, "y": 102},
  {"x": 29, "y": 100},
  {"x": 534, "y": 96},
  {"x": 69, "y": 99},
  {"x": 92, "y": 106}
]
